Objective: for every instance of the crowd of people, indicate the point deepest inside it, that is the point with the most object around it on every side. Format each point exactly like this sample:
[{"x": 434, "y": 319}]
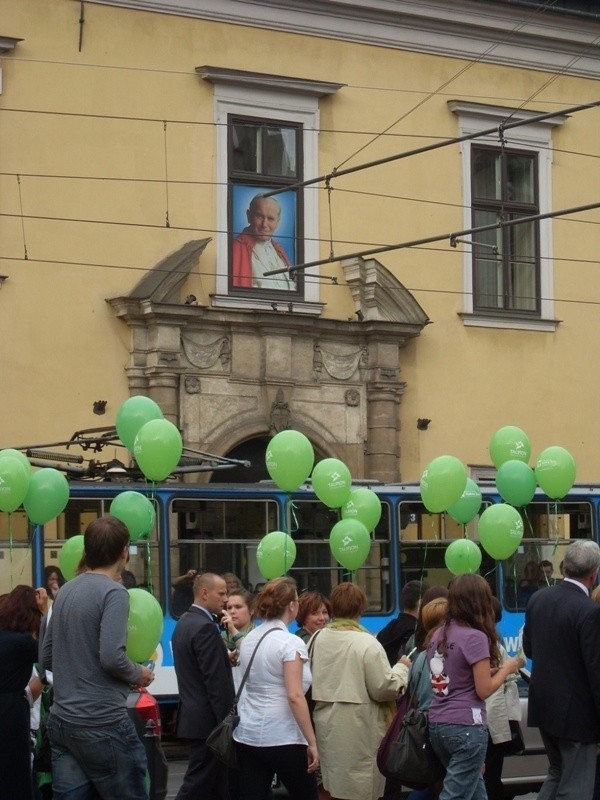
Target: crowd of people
[{"x": 319, "y": 692}]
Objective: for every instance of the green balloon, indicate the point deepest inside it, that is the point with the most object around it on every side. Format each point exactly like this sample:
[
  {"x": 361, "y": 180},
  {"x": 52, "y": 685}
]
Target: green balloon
[
  {"x": 442, "y": 483},
  {"x": 8, "y": 452},
  {"x": 350, "y": 543},
  {"x": 14, "y": 482},
  {"x": 363, "y": 505},
  {"x": 47, "y": 495},
  {"x": 157, "y": 449},
  {"x": 144, "y": 625},
  {"x": 136, "y": 511},
  {"x": 332, "y": 482},
  {"x": 555, "y": 471},
  {"x": 289, "y": 459},
  {"x": 500, "y": 530},
  {"x": 276, "y": 554},
  {"x": 509, "y": 443},
  {"x": 467, "y": 506},
  {"x": 462, "y": 556},
  {"x": 70, "y": 555},
  {"x": 516, "y": 482},
  {"x": 135, "y": 412}
]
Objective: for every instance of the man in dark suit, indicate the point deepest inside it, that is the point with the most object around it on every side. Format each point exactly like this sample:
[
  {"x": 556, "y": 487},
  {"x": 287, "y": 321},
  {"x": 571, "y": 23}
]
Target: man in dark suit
[
  {"x": 396, "y": 633},
  {"x": 205, "y": 687},
  {"x": 562, "y": 637}
]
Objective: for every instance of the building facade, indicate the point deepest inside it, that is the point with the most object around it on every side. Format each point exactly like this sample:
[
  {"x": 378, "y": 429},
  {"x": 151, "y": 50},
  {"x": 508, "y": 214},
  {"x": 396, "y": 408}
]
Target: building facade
[{"x": 253, "y": 212}]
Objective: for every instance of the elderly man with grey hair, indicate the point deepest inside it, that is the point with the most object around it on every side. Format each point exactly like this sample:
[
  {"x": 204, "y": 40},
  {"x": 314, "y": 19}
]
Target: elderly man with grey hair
[{"x": 562, "y": 637}]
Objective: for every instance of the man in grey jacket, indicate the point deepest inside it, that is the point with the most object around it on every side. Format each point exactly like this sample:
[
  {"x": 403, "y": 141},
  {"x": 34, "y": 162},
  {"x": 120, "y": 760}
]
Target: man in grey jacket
[{"x": 94, "y": 743}]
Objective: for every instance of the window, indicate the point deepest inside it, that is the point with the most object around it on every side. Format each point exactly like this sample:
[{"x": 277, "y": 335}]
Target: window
[
  {"x": 506, "y": 260},
  {"x": 265, "y": 229},
  {"x": 507, "y": 273},
  {"x": 267, "y": 131}
]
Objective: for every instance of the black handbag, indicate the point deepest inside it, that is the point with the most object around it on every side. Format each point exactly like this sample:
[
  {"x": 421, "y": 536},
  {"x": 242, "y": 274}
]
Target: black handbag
[
  {"x": 405, "y": 754},
  {"x": 411, "y": 760},
  {"x": 220, "y": 740}
]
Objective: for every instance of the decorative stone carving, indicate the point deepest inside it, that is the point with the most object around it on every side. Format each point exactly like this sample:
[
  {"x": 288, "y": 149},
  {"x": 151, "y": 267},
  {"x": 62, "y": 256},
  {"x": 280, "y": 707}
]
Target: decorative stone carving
[
  {"x": 192, "y": 384},
  {"x": 281, "y": 414},
  {"x": 352, "y": 397},
  {"x": 339, "y": 365},
  {"x": 205, "y": 356}
]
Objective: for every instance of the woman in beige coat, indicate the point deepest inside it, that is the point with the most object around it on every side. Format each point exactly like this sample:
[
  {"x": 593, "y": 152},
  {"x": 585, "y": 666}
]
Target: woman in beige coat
[{"x": 354, "y": 689}]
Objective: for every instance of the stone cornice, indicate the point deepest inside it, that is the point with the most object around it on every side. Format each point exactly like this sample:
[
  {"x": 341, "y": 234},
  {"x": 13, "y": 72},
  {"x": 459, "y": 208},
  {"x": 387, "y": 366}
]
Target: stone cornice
[{"x": 491, "y": 32}]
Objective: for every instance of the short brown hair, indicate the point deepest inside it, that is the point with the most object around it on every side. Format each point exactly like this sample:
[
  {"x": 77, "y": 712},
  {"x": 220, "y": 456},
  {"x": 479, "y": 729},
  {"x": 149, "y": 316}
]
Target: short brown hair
[
  {"x": 19, "y": 611},
  {"x": 310, "y": 603},
  {"x": 274, "y": 597},
  {"x": 348, "y": 600},
  {"x": 103, "y": 542},
  {"x": 434, "y": 613}
]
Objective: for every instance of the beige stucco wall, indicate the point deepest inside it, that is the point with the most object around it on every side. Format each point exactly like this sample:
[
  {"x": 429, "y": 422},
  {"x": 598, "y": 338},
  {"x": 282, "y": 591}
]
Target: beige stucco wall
[{"x": 61, "y": 346}]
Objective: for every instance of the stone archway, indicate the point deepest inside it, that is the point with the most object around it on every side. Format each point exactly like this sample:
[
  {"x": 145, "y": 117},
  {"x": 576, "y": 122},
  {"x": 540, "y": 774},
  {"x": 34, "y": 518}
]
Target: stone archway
[{"x": 225, "y": 376}]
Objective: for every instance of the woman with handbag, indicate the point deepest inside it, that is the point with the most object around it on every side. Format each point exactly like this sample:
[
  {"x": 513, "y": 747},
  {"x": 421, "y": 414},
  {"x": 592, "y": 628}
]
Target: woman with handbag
[
  {"x": 354, "y": 689},
  {"x": 465, "y": 668},
  {"x": 503, "y": 710},
  {"x": 275, "y": 734}
]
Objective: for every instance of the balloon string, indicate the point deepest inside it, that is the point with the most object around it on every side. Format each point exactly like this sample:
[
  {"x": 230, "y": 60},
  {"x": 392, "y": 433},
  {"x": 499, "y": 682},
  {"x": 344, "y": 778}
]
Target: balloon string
[
  {"x": 294, "y": 524},
  {"x": 10, "y": 547},
  {"x": 149, "y": 567}
]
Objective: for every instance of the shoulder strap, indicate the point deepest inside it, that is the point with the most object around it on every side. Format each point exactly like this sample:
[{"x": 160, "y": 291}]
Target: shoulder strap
[
  {"x": 239, "y": 691},
  {"x": 311, "y": 646}
]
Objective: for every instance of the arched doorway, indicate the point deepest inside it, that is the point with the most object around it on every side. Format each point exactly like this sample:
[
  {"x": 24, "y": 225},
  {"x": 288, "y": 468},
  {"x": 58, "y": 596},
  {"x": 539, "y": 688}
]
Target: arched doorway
[{"x": 252, "y": 450}]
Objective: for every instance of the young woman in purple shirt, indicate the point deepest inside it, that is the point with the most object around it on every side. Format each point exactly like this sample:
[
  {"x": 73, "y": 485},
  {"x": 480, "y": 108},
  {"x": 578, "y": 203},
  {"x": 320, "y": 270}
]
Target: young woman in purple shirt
[{"x": 464, "y": 664}]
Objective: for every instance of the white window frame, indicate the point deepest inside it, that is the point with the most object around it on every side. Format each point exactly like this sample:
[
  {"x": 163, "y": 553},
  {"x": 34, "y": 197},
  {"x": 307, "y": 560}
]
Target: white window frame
[
  {"x": 533, "y": 136},
  {"x": 267, "y": 104}
]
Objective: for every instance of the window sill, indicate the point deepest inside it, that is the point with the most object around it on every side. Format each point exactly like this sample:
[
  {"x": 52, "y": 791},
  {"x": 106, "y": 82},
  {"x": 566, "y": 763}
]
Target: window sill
[
  {"x": 262, "y": 304},
  {"x": 508, "y": 322}
]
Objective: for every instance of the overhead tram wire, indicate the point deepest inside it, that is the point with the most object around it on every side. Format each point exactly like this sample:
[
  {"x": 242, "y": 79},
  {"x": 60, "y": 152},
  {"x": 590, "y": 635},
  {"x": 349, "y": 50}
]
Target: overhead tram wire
[
  {"x": 458, "y": 74},
  {"x": 436, "y": 146},
  {"x": 452, "y": 236}
]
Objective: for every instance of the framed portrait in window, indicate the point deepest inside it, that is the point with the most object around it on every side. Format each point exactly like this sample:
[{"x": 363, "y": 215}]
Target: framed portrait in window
[{"x": 263, "y": 239}]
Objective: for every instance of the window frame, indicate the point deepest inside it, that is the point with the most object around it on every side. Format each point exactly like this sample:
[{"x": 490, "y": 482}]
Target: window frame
[
  {"x": 238, "y": 178},
  {"x": 507, "y": 207},
  {"x": 530, "y": 137},
  {"x": 299, "y": 106}
]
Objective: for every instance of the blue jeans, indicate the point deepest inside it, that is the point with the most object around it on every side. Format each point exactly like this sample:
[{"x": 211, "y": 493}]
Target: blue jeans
[
  {"x": 110, "y": 761},
  {"x": 461, "y": 749}
]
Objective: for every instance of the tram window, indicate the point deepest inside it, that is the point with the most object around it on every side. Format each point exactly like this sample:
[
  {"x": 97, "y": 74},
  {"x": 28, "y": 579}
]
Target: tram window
[
  {"x": 316, "y": 568},
  {"x": 424, "y": 538},
  {"x": 223, "y": 536},
  {"x": 143, "y": 565},
  {"x": 15, "y": 550},
  {"x": 216, "y": 536},
  {"x": 549, "y": 528}
]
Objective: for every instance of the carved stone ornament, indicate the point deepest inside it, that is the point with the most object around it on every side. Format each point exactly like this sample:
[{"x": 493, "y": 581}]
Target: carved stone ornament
[
  {"x": 281, "y": 414},
  {"x": 339, "y": 365},
  {"x": 352, "y": 397},
  {"x": 205, "y": 356},
  {"x": 192, "y": 385}
]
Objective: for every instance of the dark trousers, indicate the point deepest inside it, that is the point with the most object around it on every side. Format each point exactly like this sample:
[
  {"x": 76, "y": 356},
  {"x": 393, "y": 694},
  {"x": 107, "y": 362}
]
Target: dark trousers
[
  {"x": 206, "y": 776},
  {"x": 572, "y": 769},
  {"x": 258, "y": 765},
  {"x": 492, "y": 777}
]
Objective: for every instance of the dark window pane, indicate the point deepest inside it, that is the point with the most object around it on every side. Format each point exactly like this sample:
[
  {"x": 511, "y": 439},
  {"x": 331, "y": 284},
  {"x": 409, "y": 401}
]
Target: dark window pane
[
  {"x": 520, "y": 177},
  {"x": 280, "y": 152},
  {"x": 487, "y": 178},
  {"x": 245, "y": 147}
]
